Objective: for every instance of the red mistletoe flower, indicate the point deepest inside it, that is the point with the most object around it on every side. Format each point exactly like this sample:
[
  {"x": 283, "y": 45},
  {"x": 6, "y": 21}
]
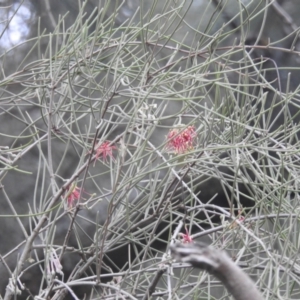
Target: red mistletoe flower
[
  {"x": 104, "y": 150},
  {"x": 185, "y": 237},
  {"x": 73, "y": 194},
  {"x": 181, "y": 141}
]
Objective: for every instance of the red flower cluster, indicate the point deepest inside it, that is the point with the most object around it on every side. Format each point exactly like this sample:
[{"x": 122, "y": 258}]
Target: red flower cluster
[
  {"x": 185, "y": 237},
  {"x": 73, "y": 194},
  {"x": 181, "y": 141},
  {"x": 104, "y": 150}
]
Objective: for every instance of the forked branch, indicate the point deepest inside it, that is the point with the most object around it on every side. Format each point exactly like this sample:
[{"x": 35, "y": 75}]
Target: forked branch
[{"x": 219, "y": 264}]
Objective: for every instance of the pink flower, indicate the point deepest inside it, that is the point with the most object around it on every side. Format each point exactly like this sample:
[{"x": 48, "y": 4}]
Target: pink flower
[
  {"x": 241, "y": 219},
  {"x": 104, "y": 150},
  {"x": 185, "y": 237},
  {"x": 73, "y": 194},
  {"x": 181, "y": 141}
]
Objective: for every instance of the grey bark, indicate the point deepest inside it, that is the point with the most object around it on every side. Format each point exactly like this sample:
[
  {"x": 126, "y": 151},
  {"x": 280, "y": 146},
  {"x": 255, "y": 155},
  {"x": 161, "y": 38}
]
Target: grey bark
[{"x": 219, "y": 264}]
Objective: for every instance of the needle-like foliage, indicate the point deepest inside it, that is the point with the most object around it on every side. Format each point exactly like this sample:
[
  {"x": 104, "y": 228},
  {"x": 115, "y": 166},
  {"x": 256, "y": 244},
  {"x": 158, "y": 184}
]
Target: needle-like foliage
[{"x": 127, "y": 137}]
